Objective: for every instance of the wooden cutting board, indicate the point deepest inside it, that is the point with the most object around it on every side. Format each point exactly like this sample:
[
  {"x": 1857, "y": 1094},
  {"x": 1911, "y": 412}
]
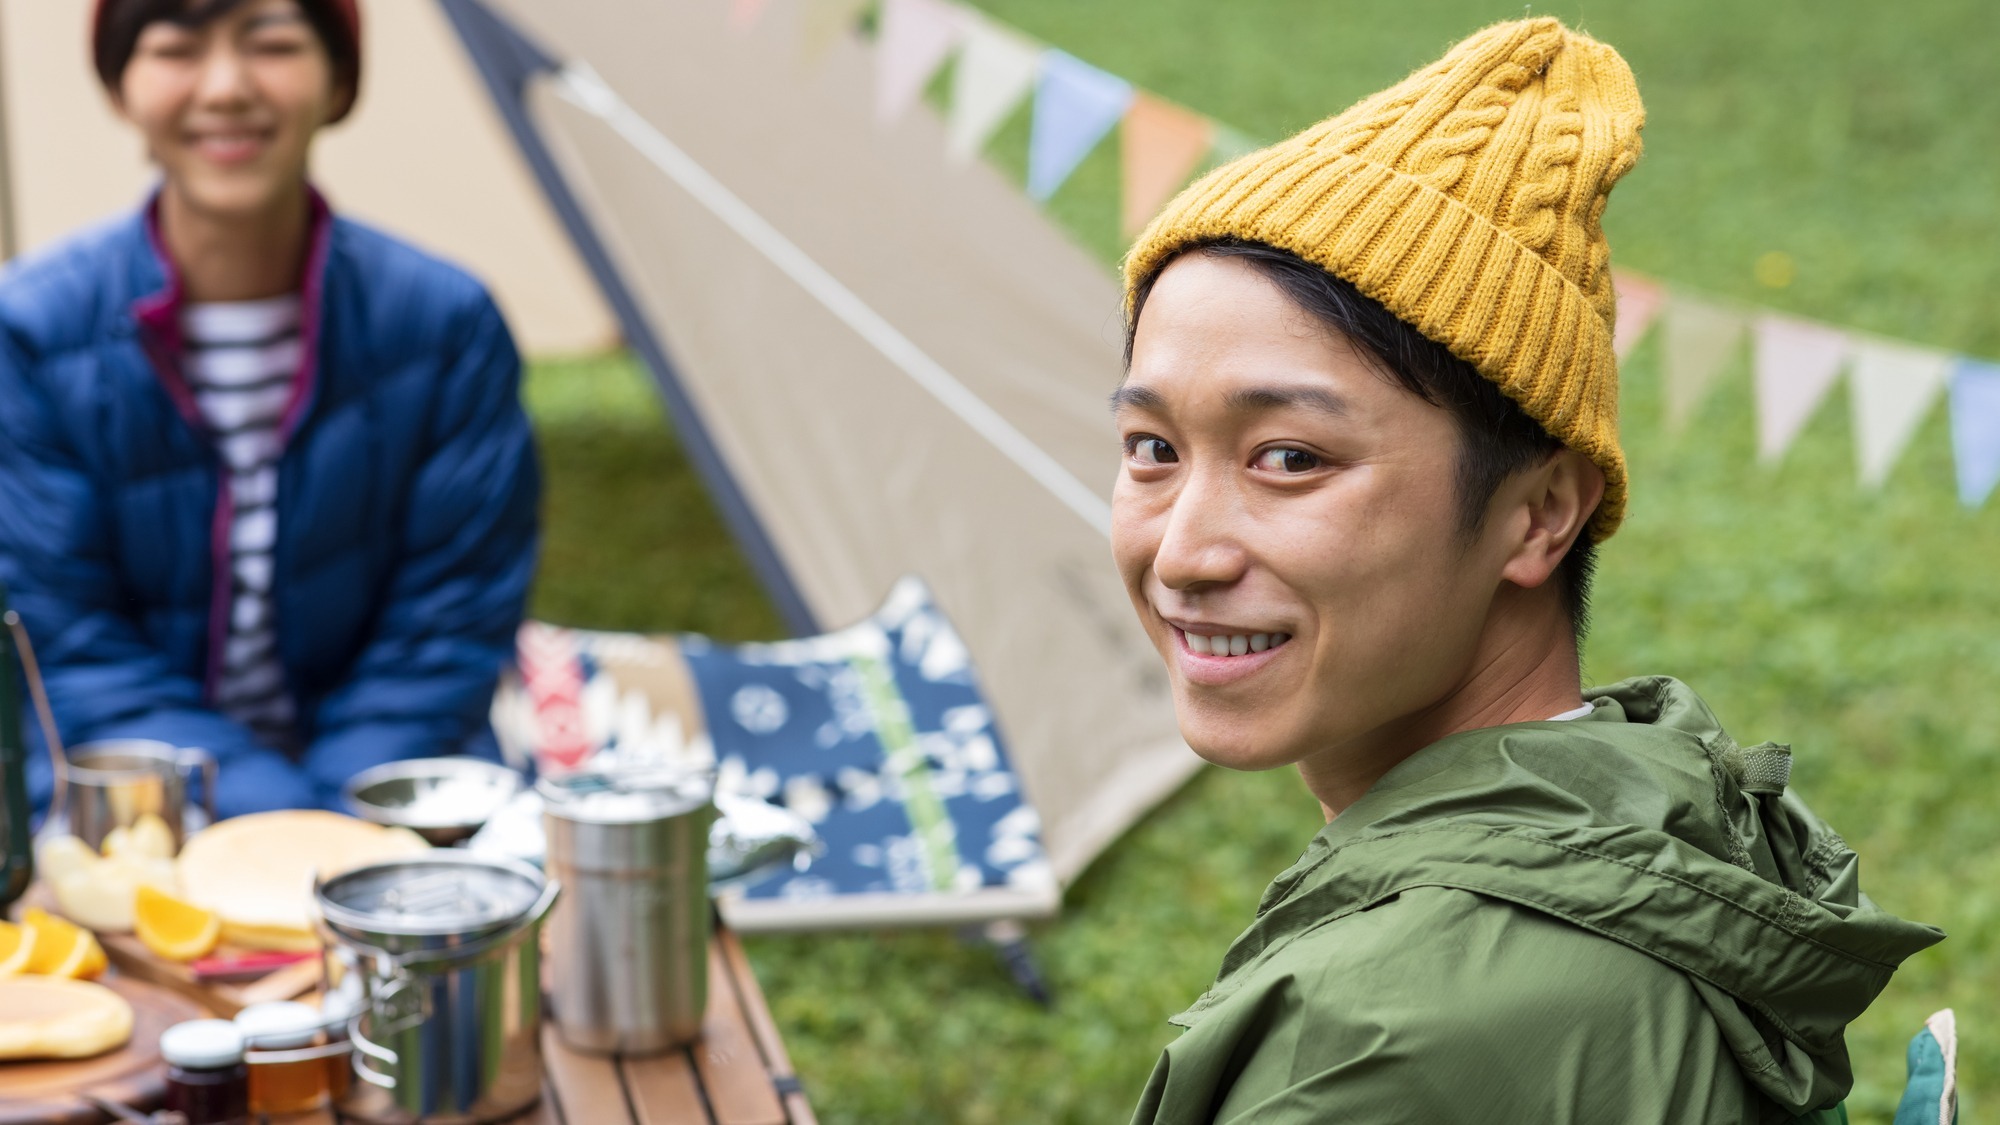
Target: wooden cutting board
[
  {"x": 50, "y": 1093},
  {"x": 223, "y": 998}
]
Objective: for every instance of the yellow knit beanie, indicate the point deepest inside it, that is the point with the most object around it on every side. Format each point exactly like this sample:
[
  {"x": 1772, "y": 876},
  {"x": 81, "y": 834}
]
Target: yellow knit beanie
[{"x": 1466, "y": 199}]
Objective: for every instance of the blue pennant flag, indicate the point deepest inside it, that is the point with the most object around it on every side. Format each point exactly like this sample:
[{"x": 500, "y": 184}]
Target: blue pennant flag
[
  {"x": 1076, "y": 104},
  {"x": 1975, "y": 429}
]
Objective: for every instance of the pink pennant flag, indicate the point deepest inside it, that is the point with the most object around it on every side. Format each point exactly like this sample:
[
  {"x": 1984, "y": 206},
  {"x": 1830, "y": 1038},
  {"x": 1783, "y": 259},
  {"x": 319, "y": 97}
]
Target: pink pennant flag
[
  {"x": 1161, "y": 144},
  {"x": 916, "y": 37},
  {"x": 1639, "y": 300},
  {"x": 743, "y": 14},
  {"x": 1796, "y": 363}
]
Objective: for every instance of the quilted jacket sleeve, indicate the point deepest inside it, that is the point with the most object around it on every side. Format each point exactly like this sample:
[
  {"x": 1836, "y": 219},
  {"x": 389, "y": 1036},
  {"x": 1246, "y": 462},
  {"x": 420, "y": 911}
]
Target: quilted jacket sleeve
[
  {"x": 424, "y": 682},
  {"x": 105, "y": 678}
]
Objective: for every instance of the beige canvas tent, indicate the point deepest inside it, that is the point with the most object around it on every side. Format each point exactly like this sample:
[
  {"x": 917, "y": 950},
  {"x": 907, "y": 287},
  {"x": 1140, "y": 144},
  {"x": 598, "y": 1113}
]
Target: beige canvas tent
[
  {"x": 881, "y": 361},
  {"x": 884, "y": 362},
  {"x": 424, "y": 156}
]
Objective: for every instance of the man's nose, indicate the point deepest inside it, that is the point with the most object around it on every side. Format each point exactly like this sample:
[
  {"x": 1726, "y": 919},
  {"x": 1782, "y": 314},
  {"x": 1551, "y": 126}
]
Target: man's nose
[{"x": 1200, "y": 545}]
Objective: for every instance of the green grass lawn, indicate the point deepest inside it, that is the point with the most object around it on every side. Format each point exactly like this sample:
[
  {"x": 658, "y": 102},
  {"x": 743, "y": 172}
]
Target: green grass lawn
[{"x": 1864, "y": 628}]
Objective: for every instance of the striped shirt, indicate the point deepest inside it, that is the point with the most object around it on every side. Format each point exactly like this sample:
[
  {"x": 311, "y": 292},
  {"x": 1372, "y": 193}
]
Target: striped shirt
[{"x": 240, "y": 358}]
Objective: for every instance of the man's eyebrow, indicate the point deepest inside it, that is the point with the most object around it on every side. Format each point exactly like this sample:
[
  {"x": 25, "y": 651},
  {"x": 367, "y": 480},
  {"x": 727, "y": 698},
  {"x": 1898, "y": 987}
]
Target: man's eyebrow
[
  {"x": 1258, "y": 399},
  {"x": 1129, "y": 397}
]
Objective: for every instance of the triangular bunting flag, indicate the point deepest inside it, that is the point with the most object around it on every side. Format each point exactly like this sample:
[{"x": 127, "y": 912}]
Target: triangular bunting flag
[
  {"x": 1227, "y": 144},
  {"x": 825, "y": 21},
  {"x": 743, "y": 14},
  {"x": 1701, "y": 340},
  {"x": 1161, "y": 145},
  {"x": 1075, "y": 105},
  {"x": 1795, "y": 363},
  {"x": 1893, "y": 386},
  {"x": 916, "y": 37},
  {"x": 995, "y": 70},
  {"x": 1975, "y": 429},
  {"x": 1639, "y": 301}
]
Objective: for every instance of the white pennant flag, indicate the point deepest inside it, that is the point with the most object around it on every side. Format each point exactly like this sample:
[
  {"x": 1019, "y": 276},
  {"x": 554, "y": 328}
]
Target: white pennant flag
[
  {"x": 1701, "y": 339},
  {"x": 1796, "y": 363},
  {"x": 1893, "y": 387},
  {"x": 996, "y": 69}
]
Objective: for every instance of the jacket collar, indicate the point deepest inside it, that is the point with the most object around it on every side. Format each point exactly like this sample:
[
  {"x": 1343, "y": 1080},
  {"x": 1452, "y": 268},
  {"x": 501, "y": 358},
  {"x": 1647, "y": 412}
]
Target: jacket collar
[{"x": 158, "y": 312}]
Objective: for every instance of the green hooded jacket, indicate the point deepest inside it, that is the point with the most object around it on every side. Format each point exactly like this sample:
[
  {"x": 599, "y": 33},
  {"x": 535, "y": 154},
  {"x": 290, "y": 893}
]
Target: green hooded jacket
[{"x": 1623, "y": 918}]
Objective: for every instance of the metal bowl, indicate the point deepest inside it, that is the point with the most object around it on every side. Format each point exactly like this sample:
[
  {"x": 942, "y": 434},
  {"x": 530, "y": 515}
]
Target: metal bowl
[{"x": 444, "y": 800}]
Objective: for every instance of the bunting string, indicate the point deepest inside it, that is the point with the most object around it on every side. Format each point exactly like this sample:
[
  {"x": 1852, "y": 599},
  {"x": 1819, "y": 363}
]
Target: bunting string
[{"x": 1795, "y": 364}]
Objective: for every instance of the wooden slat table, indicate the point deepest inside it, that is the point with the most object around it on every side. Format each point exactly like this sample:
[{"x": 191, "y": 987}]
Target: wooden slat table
[{"x": 737, "y": 1074}]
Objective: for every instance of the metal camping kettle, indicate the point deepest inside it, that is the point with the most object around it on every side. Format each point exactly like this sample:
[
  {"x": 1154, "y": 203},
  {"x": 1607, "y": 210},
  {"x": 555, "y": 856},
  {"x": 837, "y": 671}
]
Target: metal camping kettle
[{"x": 17, "y": 862}]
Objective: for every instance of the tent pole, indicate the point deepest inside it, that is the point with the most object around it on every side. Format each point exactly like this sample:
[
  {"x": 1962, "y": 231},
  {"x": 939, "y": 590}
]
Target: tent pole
[
  {"x": 8, "y": 244},
  {"x": 507, "y": 60}
]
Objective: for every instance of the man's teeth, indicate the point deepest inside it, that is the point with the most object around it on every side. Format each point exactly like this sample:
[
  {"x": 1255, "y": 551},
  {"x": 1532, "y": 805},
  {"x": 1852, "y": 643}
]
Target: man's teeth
[{"x": 1235, "y": 644}]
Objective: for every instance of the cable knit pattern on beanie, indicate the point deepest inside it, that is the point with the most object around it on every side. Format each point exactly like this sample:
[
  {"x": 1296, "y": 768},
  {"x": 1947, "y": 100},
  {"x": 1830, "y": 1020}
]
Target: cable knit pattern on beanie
[{"x": 1467, "y": 199}]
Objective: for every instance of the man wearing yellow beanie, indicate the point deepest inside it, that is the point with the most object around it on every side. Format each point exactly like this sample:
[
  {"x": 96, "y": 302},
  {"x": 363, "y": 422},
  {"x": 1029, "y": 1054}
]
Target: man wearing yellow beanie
[{"x": 1371, "y": 445}]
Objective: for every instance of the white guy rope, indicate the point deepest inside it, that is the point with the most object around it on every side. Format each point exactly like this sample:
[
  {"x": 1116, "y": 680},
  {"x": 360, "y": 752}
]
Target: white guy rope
[{"x": 579, "y": 85}]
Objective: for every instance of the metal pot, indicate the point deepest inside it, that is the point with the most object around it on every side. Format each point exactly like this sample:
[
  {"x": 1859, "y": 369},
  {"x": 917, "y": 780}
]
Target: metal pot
[{"x": 447, "y": 947}]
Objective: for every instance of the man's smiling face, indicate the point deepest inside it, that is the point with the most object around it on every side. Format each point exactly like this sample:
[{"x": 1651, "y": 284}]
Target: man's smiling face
[{"x": 1287, "y": 524}]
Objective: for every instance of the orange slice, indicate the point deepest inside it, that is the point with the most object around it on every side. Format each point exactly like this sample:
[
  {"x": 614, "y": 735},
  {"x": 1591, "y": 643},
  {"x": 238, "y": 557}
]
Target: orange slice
[
  {"x": 172, "y": 928},
  {"x": 61, "y": 949},
  {"x": 17, "y": 946}
]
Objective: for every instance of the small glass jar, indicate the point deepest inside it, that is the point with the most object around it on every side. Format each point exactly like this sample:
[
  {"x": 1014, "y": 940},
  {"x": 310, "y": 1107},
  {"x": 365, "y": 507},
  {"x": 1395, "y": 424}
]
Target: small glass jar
[
  {"x": 337, "y": 1010},
  {"x": 278, "y": 1084},
  {"x": 207, "y": 1081}
]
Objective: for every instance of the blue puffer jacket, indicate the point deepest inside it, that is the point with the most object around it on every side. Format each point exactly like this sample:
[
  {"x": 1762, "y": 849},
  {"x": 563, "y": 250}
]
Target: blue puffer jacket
[{"x": 407, "y": 500}]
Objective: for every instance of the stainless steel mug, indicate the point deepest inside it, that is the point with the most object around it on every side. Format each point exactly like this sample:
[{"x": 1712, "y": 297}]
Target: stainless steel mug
[
  {"x": 447, "y": 947},
  {"x": 112, "y": 784},
  {"x": 628, "y": 948}
]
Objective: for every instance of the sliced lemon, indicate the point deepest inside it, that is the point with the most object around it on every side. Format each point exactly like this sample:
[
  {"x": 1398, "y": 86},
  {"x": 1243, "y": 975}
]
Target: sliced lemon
[
  {"x": 174, "y": 929},
  {"x": 17, "y": 947},
  {"x": 57, "y": 856},
  {"x": 151, "y": 837}
]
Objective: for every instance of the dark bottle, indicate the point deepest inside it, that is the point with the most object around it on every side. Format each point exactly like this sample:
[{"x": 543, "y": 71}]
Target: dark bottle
[
  {"x": 17, "y": 858},
  {"x": 207, "y": 1081}
]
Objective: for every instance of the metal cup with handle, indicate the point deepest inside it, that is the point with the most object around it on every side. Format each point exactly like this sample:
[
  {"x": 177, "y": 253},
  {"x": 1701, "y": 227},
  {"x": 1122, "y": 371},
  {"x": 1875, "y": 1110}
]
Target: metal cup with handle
[{"x": 112, "y": 784}]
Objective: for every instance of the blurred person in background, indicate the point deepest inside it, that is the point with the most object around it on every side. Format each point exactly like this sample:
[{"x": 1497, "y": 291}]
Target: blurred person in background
[
  {"x": 266, "y": 486},
  {"x": 1370, "y": 448}
]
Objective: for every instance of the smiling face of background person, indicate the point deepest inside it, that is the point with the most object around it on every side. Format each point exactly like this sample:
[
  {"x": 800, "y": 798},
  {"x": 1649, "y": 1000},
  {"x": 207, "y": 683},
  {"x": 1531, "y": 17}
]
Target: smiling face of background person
[
  {"x": 228, "y": 108},
  {"x": 1275, "y": 482}
]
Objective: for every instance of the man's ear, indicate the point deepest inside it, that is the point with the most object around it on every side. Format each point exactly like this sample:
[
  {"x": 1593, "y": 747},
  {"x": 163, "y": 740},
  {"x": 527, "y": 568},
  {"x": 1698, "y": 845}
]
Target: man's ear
[{"x": 1557, "y": 499}]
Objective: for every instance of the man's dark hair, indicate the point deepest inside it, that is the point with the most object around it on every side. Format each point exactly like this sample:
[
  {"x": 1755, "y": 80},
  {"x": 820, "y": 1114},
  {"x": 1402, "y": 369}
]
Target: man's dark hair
[
  {"x": 120, "y": 22},
  {"x": 1497, "y": 438}
]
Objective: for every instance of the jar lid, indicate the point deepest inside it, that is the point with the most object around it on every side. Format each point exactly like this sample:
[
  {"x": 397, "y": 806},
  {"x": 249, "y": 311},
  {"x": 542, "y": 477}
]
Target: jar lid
[
  {"x": 611, "y": 795},
  {"x": 202, "y": 1045},
  {"x": 342, "y": 1004},
  {"x": 441, "y": 894},
  {"x": 279, "y": 1025}
]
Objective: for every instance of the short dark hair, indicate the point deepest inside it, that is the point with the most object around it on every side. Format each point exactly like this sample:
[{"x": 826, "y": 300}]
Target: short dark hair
[
  {"x": 1497, "y": 438},
  {"x": 120, "y": 22}
]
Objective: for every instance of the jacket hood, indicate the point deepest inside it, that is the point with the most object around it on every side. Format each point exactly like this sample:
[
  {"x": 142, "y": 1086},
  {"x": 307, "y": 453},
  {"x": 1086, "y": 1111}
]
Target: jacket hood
[{"x": 1646, "y": 823}]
